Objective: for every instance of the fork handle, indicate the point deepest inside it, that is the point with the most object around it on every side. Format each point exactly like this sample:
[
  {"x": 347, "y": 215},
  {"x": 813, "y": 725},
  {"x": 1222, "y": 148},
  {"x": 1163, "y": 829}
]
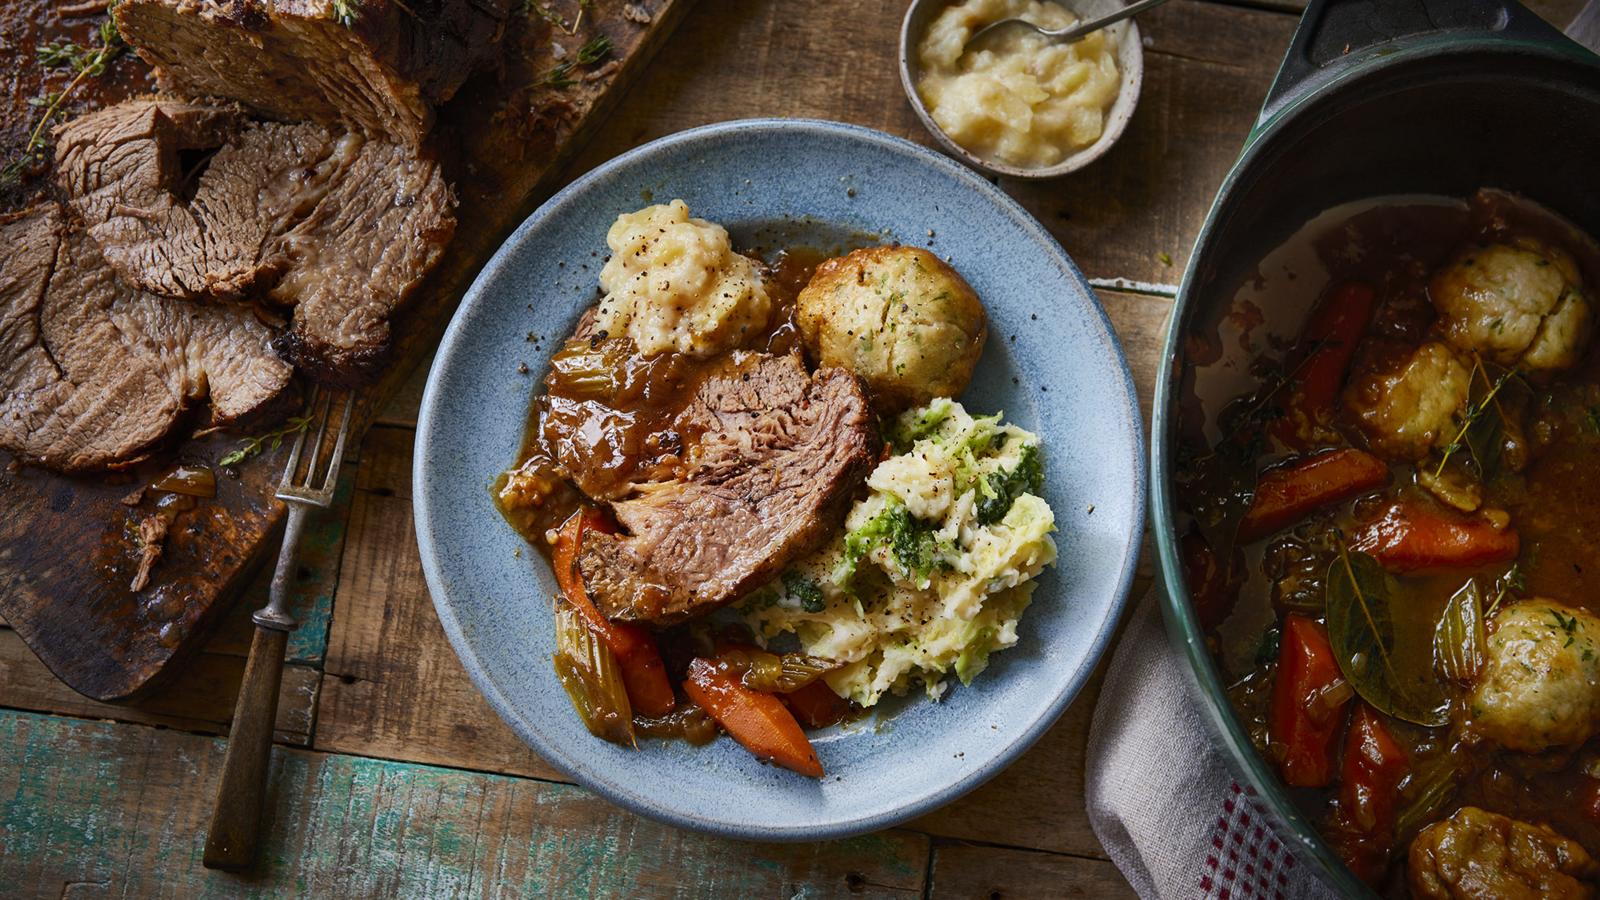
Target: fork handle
[{"x": 236, "y": 818}]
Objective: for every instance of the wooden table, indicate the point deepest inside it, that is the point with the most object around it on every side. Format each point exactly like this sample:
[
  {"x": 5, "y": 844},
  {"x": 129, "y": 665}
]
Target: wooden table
[{"x": 392, "y": 777}]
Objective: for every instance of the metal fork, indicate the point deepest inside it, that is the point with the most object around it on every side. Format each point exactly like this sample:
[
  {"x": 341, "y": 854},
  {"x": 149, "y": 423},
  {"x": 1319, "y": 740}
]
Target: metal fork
[
  {"x": 1070, "y": 34},
  {"x": 308, "y": 481}
]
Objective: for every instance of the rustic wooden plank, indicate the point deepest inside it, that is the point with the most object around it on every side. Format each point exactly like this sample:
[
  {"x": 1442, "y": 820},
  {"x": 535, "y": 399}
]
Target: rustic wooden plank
[
  {"x": 92, "y": 809},
  {"x": 1001, "y": 873},
  {"x": 1207, "y": 68},
  {"x": 311, "y": 594},
  {"x": 1140, "y": 323},
  {"x": 394, "y": 687},
  {"x": 200, "y": 698},
  {"x": 401, "y": 406},
  {"x": 1038, "y": 801}
]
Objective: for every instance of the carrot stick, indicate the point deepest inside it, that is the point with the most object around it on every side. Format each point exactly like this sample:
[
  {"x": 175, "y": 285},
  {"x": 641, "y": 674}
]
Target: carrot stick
[
  {"x": 1416, "y": 536},
  {"x": 1287, "y": 494},
  {"x": 1363, "y": 825},
  {"x": 635, "y": 648},
  {"x": 1305, "y": 716},
  {"x": 758, "y": 721},
  {"x": 1325, "y": 349}
]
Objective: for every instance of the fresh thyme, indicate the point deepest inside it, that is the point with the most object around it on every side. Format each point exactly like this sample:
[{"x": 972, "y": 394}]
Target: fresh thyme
[
  {"x": 561, "y": 75},
  {"x": 84, "y": 62},
  {"x": 1512, "y": 580},
  {"x": 1567, "y": 625},
  {"x": 269, "y": 441},
  {"x": 594, "y": 51},
  {"x": 1474, "y": 412}
]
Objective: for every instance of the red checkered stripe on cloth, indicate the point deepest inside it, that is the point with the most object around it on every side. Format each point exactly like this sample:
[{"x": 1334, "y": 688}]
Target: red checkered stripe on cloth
[{"x": 1246, "y": 858}]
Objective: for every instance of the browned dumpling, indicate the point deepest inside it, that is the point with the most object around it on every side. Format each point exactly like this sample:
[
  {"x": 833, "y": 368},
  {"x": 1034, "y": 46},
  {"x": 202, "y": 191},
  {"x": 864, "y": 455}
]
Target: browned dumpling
[
  {"x": 1540, "y": 687},
  {"x": 1408, "y": 408},
  {"x": 1479, "y": 854},
  {"x": 899, "y": 317}
]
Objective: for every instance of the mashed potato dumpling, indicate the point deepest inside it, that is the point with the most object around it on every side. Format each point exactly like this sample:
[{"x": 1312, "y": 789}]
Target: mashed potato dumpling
[
  {"x": 673, "y": 283},
  {"x": 899, "y": 317},
  {"x": 1017, "y": 98}
]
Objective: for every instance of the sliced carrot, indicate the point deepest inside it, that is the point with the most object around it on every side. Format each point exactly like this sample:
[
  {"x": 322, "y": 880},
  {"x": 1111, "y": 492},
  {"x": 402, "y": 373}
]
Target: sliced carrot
[
  {"x": 1305, "y": 713},
  {"x": 1363, "y": 825},
  {"x": 1287, "y": 494},
  {"x": 634, "y": 647},
  {"x": 1326, "y": 346},
  {"x": 758, "y": 721},
  {"x": 1416, "y": 535},
  {"x": 816, "y": 705}
]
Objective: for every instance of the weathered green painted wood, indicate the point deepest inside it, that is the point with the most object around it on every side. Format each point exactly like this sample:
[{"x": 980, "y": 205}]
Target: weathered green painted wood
[
  {"x": 1000, "y": 873},
  {"x": 199, "y": 697},
  {"x": 94, "y": 809},
  {"x": 311, "y": 595}
]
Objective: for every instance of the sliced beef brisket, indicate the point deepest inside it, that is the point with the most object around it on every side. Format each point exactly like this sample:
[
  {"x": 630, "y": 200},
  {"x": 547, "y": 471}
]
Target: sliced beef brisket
[
  {"x": 383, "y": 225},
  {"x": 379, "y": 65},
  {"x": 779, "y": 454},
  {"x": 93, "y": 373},
  {"x": 193, "y": 200},
  {"x": 176, "y": 208}
]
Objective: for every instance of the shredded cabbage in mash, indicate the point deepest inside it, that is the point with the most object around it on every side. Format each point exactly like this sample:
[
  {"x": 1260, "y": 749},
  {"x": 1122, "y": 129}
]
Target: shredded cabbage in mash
[
  {"x": 934, "y": 567},
  {"x": 673, "y": 283}
]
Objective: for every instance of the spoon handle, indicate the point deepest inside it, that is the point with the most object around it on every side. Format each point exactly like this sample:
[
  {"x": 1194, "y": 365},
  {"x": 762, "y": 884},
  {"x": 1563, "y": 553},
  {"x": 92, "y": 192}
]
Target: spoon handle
[{"x": 1133, "y": 9}]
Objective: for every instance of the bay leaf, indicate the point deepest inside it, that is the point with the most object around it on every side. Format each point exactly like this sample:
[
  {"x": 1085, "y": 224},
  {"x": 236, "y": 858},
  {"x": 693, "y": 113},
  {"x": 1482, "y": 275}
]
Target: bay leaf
[{"x": 1361, "y": 597}]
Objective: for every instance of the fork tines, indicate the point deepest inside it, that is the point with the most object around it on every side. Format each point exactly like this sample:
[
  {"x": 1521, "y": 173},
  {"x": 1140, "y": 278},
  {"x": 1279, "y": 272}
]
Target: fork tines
[{"x": 312, "y": 479}]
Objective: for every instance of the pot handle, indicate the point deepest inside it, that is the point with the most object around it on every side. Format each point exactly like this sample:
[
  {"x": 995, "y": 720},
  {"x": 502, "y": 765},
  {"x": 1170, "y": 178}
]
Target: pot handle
[{"x": 1336, "y": 34}]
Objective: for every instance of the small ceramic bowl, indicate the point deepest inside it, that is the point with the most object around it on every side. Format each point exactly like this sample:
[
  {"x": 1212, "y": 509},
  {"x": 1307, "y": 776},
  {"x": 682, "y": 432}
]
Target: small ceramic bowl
[{"x": 1130, "y": 62}]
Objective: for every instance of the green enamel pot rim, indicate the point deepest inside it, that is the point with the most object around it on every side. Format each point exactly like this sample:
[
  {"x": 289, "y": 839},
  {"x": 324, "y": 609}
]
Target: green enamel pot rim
[{"x": 1300, "y": 89}]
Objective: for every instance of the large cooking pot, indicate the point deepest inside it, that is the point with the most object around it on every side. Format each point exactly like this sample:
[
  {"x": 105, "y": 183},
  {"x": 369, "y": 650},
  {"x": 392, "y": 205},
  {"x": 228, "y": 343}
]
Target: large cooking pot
[{"x": 1375, "y": 97}]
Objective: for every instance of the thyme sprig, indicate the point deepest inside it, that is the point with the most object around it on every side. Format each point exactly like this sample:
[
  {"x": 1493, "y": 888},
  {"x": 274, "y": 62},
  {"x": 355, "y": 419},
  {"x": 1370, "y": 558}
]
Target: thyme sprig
[
  {"x": 84, "y": 62},
  {"x": 1513, "y": 580},
  {"x": 561, "y": 75},
  {"x": 271, "y": 440},
  {"x": 1473, "y": 413}
]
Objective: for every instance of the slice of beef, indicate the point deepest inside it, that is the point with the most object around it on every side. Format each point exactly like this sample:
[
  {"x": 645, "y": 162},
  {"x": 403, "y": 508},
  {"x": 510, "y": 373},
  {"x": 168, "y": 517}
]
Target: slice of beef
[
  {"x": 778, "y": 456},
  {"x": 94, "y": 374},
  {"x": 183, "y": 200},
  {"x": 194, "y": 200},
  {"x": 378, "y": 65},
  {"x": 356, "y": 257}
]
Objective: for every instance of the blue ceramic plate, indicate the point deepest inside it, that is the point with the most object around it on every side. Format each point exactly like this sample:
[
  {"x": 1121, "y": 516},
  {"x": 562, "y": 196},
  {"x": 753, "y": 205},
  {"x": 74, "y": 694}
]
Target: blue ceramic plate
[{"x": 1052, "y": 364}]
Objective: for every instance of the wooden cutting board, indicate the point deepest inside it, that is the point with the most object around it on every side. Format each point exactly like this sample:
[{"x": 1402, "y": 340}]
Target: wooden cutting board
[{"x": 67, "y": 546}]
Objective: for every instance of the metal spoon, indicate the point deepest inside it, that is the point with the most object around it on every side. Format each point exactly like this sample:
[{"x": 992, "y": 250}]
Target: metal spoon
[{"x": 1072, "y": 33}]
